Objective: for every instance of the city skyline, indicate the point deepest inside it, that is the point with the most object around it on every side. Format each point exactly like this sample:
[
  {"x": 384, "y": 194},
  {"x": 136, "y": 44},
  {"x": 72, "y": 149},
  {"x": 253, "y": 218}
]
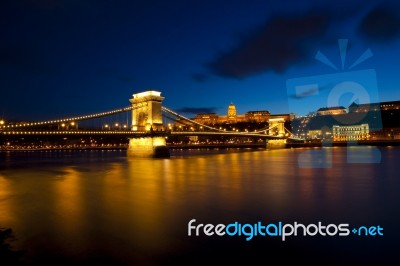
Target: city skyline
[{"x": 62, "y": 59}]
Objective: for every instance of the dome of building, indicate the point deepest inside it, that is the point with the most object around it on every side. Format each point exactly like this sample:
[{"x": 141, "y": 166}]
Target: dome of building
[{"x": 231, "y": 111}]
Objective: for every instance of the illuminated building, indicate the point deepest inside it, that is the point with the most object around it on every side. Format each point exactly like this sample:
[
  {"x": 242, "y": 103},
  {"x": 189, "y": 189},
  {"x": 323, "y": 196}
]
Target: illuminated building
[
  {"x": 315, "y": 134},
  {"x": 382, "y": 106},
  {"x": 231, "y": 111},
  {"x": 232, "y": 116},
  {"x": 208, "y": 118},
  {"x": 337, "y": 110},
  {"x": 257, "y": 116},
  {"x": 213, "y": 118},
  {"x": 350, "y": 133}
]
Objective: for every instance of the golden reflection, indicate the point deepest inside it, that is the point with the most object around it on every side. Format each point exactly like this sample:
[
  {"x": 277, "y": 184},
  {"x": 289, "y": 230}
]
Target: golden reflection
[
  {"x": 7, "y": 216},
  {"x": 145, "y": 205},
  {"x": 113, "y": 191},
  {"x": 68, "y": 201},
  {"x": 278, "y": 176}
]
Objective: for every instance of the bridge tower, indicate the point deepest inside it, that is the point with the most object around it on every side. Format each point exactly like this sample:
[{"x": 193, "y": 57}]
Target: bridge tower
[
  {"x": 278, "y": 129},
  {"x": 146, "y": 113},
  {"x": 278, "y": 125},
  {"x": 147, "y": 118}
]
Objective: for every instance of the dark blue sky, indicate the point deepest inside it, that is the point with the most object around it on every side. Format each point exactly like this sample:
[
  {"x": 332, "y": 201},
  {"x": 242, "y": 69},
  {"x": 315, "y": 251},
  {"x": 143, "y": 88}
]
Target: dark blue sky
[{"x": 65, "y": 57}]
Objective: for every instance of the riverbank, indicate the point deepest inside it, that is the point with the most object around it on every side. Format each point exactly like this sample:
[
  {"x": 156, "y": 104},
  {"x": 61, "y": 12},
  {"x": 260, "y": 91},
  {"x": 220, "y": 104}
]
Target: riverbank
[
  {"x": 382, "y": 143},
  {"x": 8, "y": 256}
]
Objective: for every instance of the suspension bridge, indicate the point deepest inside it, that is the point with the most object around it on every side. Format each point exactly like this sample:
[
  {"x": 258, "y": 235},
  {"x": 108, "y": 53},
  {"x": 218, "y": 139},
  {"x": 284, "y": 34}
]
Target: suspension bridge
[{"x": 145, "y": 128}]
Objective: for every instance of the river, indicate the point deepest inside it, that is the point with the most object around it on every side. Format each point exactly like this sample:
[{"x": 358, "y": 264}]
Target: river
[{"x": 79, "y": 207}]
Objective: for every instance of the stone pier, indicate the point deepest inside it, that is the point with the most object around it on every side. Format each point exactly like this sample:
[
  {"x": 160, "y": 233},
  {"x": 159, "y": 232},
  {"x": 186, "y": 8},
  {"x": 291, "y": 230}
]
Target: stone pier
[
  {"x": 150, "y": 146},
  {"x": 276, "y": 144}
]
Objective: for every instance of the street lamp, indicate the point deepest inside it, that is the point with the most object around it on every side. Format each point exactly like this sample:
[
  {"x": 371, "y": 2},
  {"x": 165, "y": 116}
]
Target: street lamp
[{"x": 73, "y": 125}]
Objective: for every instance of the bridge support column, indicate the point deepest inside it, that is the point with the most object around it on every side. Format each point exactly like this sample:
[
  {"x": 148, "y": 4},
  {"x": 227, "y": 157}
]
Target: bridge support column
[
  {"x": 276, "y": 144},
  {"x": 151, "y": 146},
  {"x": 147, "y": 119}
]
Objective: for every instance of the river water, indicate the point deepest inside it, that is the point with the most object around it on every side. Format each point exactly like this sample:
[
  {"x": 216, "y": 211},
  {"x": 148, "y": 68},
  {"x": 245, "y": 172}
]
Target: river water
[{"x": 79, "y": 207}]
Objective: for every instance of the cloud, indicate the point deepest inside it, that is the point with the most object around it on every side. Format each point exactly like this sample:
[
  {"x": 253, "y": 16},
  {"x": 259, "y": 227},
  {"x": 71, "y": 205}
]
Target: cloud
[
  {"x": 310, "y": 91},
  {"x": 197, "y": 110},
  {"x": 382, "y": 23},
  {"x": 276, "y": 45}
]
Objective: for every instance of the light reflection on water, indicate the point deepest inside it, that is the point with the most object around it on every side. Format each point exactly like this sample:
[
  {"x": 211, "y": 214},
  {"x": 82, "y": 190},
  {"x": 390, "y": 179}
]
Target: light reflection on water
[{"x": 106, "y": 206}]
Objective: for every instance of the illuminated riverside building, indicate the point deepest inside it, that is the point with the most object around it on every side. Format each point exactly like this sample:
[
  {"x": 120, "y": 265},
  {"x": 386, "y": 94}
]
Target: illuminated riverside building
[
  {"x": 231, "y": 111},
  {"x": 232, "y": 117},
  {"x": 350, "y": 133},
  {"x": 366, "y": 107},
  {"x": 315, "y": 134},
  {"x": 207, "y": 118},
  {"x": 337, "y": 110},
  {"x": 257, "y": 116}
]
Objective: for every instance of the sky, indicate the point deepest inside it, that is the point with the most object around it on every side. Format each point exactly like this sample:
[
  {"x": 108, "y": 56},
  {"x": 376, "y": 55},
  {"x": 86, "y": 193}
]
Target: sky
[{"x": 60, "y": 58}]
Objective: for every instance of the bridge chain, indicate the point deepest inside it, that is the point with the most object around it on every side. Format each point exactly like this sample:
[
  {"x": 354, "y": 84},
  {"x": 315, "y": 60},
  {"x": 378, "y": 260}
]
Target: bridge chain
[{"x": 75, "y": 119}]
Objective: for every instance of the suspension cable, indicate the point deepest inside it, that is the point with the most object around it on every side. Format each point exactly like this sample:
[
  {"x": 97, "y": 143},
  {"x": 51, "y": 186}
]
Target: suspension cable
[{"x": 81, "y": 118}]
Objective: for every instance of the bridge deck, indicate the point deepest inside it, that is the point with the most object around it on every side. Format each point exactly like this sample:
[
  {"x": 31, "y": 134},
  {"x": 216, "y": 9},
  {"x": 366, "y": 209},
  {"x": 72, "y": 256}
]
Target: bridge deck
[{"x": 130, "y": 133}]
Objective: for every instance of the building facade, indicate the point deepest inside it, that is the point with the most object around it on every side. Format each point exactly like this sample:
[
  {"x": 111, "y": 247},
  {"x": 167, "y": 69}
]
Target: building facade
[
  {"x": 337, "y": 110},
  {"x": 232, "y": 117},
  {"x": 257, "y": 116},
  {"x": 366, "y": 107},
  {"x": 208, "y": 118},
  {"x": 350, "y": 133}
]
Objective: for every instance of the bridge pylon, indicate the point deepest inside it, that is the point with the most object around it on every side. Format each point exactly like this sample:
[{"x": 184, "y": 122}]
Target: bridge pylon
[
  {"x": 146, "y": 112},
  {"x": 278, "y": 126},
  {"x": 147, "y": 118}
]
